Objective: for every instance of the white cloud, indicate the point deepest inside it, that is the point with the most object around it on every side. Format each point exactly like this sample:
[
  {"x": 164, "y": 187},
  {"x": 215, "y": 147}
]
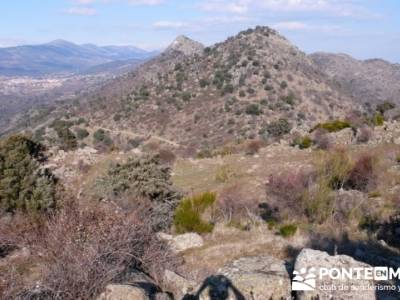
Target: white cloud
[
  {"x": 82, "y": 11},
  {"x": 131, "y": 2},
  {"x": 146, "y": 2},
  {"x": 343, "y": 8},
  {"x": 237, "y": 7},
  {"x": 291, "y": 25},
  {"x": 169, "y": 25},
  {"x": 83, "y": 2}
]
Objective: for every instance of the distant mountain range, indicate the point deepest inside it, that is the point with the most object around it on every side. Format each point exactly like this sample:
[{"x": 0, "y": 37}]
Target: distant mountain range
[
  {"x": 61, "y": 56},
  {"x": 369, "y": 82}
]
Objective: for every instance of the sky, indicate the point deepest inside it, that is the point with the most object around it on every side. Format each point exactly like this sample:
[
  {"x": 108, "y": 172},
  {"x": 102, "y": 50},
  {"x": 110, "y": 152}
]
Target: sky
[{"x": 361, "y": 28}]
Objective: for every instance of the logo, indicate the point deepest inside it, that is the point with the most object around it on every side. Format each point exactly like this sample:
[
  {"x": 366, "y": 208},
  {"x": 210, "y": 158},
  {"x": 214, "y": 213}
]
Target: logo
[{"x": 305, "y": 280}]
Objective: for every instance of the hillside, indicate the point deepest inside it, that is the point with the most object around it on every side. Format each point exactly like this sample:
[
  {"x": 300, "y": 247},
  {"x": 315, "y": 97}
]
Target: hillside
[
  {"x": 62, "y": 57},
  {"x": 370, "y": 81},
  {"x": 233, "y": 90},
  {"x": 211, "y": 173}
]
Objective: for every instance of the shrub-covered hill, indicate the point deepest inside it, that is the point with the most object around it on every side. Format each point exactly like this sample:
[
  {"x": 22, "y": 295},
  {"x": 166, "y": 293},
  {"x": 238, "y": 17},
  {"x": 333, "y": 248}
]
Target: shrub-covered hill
[{"x": 232, "y": 90}]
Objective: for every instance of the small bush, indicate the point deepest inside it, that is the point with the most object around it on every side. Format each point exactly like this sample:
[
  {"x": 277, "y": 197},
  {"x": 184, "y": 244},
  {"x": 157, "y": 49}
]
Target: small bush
[
  {"x": 303, "y": 142},
  {"x": 228, "y": 89},
  {"x": 186, "y": 96},
  {"x": 288, "y": 230},
  {"x": 224, "y": 173},
  {"x": 335, "y": 167},
  {"x": 204, "y": 153},
  {"x": 204, "y": 82},
  {"x": 268, "y": 87},
  {"x": 364, "y": 134},
  {"x": 145, "y": 177},
  {"x": 67, "y": 139},
  {"x": 319, "y": 201},
  {"x": 166, "y": 156},
  {"x": 278, "y": 128},
  {"x": 100, "y": 136},
  {"x": 385, "y": 106},
  {"x": 82, "y": 249},
  {"x": 235, "y": 204},
  {"x": 362, "y": 175},
  {"x": 188, "y": 215},
  {"x": 81, "y": 133},
  {"x": 24, "y": 184},
  {"x": 253, "y": 109},
  {"x": 253, "y": 147},
  {"x": 284, "y": 85},
  {"x": 378, "y": 119},
  {"x": 286, "y": 191},
  {"x": 334, "y": 126},
  {"x": 322, "y": 139}
]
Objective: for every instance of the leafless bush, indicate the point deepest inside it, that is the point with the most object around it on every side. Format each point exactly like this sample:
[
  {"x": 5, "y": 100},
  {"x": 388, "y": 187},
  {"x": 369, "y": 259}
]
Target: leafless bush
[
  {"x": 81, "y": 250},
  {"x": 166, "y": 156},
  {"x": 364, "y": 134},
  {"x": 286, "y": 191},
  {"x": 363, "y": 175},
  {"x": 252, "y": 147},
  {"x": 322, "y": 139},
  {"x": 234, "y": 203}
]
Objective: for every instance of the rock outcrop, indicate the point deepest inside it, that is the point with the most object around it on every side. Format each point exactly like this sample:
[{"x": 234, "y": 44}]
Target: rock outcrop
[
  {"x": 186, "y": 46},
  {"x": 257, "y": 278},
  {"x": 123, "y": 292},
  {"x": 183, "y": 242},
  {"x": 357, "y": 288}
]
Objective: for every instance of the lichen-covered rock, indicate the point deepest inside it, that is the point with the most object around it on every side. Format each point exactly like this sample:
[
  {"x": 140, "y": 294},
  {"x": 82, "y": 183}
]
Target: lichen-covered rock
[
  {"x": 177, "y": 285},
  {"x": 123, "y": 292},
  {"x": 257, "y": 278},
  {"x": 182, "y": 242},
  {"x": 357, "y": 288}
]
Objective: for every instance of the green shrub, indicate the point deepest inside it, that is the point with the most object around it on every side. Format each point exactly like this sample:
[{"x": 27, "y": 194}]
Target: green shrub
[
  {"x": 284, "y": 85},
  {"x": 24, "y": 184},
  {"x": 228, "y": 89},
  {"x": 67, "y": 139},
  {"x": 378, "y": 119},
  {"x": 278, "y": 128},
  {"x": 268, "y": 87},
  {"x": 385, "y": 106},
  {"x": 117, "y": 117},
  {"x": 188, "y": 215},
  {"x": 81, "y": 133},
  {"x": 289, "y": 99},
  {"x": 333, "y": 126},
  {"x": 223, "y": 173},
  {"x": 204, "y": 153},
  {"x": 253, "y": 109},
  {"x": 288, "y": 230},
  {"x": 186, "y": 96},
  {"x": 335, "y": 167},
  {"x": 204, "y": 82},
  {"x": 100, "y": 136},
  {"x": 303, "y": 142},
  {"x": 142, "y": 177},
  {"x": 319, "y": 201}
]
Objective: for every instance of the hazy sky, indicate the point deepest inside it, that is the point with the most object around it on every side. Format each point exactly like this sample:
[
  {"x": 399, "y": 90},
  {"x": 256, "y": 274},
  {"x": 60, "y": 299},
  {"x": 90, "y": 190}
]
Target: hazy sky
[{"x": 362, "y": 28}]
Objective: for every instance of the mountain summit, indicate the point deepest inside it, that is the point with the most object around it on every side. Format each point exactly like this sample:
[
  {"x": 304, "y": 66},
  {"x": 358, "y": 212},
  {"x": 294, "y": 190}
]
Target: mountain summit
[
  {"x": 236, "y": 89},
  {"x": 185, "y": 45}
]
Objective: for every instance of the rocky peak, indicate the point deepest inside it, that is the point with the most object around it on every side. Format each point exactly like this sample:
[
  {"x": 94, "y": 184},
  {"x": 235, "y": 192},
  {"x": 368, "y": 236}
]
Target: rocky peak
[{"x": 185, "y": 45}]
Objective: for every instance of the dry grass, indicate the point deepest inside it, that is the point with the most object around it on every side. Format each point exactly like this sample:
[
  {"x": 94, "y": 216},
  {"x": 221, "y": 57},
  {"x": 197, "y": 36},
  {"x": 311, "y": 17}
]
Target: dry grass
[{"x": 82, "y": 249}]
